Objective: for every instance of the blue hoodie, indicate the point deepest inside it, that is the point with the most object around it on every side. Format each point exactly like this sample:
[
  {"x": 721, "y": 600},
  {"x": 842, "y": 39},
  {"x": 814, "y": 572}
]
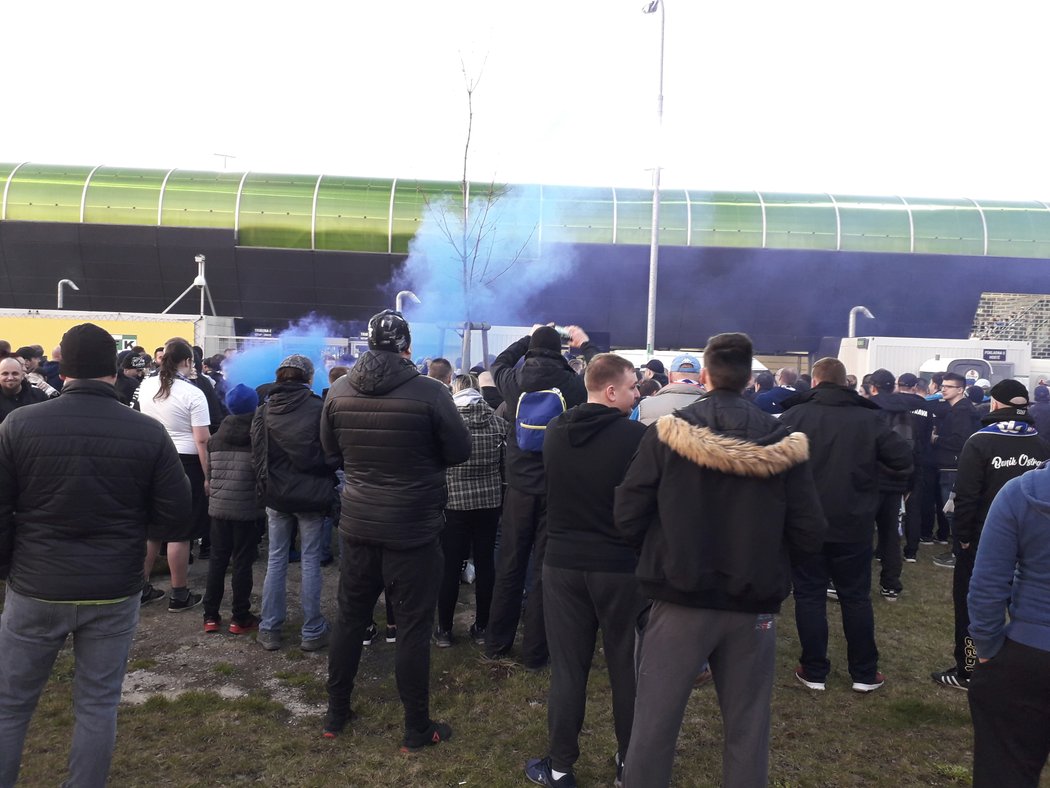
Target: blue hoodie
[{"x": 1012, "y": 569}]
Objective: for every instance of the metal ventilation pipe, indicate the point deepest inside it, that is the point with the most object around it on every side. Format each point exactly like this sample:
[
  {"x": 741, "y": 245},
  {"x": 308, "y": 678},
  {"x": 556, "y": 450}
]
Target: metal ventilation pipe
[
  {"x": 61, "y": 293},
  {"x": 400, "y": 297},
  {"x": 863, "y": 311}
]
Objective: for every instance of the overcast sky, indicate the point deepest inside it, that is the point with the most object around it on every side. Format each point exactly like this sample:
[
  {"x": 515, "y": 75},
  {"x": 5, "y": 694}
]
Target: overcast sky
[{"x": 927, "y": 98}]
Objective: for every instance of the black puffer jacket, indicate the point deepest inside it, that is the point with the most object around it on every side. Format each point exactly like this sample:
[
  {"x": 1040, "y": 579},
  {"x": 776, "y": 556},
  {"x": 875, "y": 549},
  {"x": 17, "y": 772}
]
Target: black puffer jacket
[
  {"x": 286, "y": 450},
  {"x": 27, "y": 395},
  {"x": 848, "y": 444},
  {"x": 83, "y": 479},
  {"x": 543, "y": 369},
  {"x": 720, "y": 500},
  {"x": 231, "y": 477},
  {"x": 397, "y": 432}
]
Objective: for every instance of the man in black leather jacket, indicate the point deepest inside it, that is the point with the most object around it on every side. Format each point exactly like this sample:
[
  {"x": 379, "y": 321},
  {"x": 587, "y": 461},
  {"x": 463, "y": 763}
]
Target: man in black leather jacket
[{"x": 397, "y": 432}]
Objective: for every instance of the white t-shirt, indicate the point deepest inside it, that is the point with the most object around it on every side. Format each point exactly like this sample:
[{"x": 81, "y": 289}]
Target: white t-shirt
[{"x": 185, "y": 407}]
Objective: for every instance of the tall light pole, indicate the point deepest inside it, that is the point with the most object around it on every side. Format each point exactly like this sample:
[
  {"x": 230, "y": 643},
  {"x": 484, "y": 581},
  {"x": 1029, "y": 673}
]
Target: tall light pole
[{"x": 654, "y": 244}]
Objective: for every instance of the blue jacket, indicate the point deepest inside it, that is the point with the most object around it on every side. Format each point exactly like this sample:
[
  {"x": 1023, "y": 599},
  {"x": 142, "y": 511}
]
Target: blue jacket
[{"x": 1012, "y": 569}]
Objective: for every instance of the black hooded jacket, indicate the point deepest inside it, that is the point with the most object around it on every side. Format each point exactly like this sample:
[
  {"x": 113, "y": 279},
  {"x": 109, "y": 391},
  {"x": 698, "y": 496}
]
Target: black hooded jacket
[
  {"x": 397, "y": 431},
  {"x": 849, "y": 444},
  {"x": 720, "y": 501},
  {"x": 286, "y": 442},
  {"x": 954, "y": 424},
  {"x": 1006, "y": 446},
  {"x": 543, "y": 369},
  {"x": 901, "y": 412},
  {"x": 586, "y": 453}
]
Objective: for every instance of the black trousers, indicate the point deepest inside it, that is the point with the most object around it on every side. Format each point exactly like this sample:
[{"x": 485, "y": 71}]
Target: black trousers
[
  {"x": 237, "y": 540},
  {"x": 965, "y": 650},
  {"x": 466, "y": 529},
  {"x": 523, "y": 537},
  {"x": 411, "y": 579},
  {"x": 191, "y": 464},
  {"x": 1010, "y": 707},
  {"x": 933, "y": 516},
  {"x": 576, "y": 605},
  {"x": 913, "y": 515},
  {"x": 887, "y": 525}
]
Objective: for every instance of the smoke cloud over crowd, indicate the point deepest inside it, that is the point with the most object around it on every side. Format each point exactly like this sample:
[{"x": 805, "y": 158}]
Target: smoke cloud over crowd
[
  {"x": 257, "y": 362},
  {"x": 483, "y": 267}
]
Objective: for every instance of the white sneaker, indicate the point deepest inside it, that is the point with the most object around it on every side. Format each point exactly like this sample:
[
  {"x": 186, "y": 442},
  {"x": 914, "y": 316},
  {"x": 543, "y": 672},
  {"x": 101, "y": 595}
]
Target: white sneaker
[{"x": 800, "y": 674}]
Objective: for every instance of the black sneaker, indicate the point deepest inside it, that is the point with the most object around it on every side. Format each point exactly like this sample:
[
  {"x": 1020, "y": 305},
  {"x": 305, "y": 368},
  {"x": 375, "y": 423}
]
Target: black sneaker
[
  {"x": 951, "y": 678},
  {"x": 391, "y": 633},
  {"x": 944, "y": 560},
  {"x": 911, "y": 559},
  {"x": 926, "y": 540},
  {"x": 538, "y": 770},
  {"x": 150, "y": 594},
  {"x": 477, "y": 634},
  {"x": 443, "y": 638},
  {"x": 177, "y": 606},
  {"x": 335, "y": 721},
  {"x": 436, "y": 733},
  {"x": 890, "y": 594},
  {"x": 618, "y": 782},
  {"x": 370, "y": 634}
]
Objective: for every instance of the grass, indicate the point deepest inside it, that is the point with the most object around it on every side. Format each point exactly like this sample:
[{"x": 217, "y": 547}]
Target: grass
[{"x": 909, "y": 733}]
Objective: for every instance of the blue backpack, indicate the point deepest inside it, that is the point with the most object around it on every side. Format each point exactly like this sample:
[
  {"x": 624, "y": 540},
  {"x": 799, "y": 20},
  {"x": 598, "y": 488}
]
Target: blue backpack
[{"x": 536, "y": 409}]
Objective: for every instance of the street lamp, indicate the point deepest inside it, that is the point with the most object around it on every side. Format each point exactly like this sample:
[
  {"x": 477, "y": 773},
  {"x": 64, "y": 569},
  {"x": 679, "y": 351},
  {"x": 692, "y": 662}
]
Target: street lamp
[{"x": 654, "y": 243}]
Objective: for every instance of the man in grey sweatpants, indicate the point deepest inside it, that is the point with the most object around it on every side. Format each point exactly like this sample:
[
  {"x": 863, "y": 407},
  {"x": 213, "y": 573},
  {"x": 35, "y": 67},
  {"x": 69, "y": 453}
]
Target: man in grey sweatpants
[{"x": 720, "y": 500}]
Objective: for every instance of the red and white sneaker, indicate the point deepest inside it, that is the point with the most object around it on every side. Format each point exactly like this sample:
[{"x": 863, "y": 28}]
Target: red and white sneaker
[
  {"x": 212, "y": 623},
  {"x": 249, "y": 623},
  {"x": 800, "y": 674},
  {"x": 860, "y": 686}
]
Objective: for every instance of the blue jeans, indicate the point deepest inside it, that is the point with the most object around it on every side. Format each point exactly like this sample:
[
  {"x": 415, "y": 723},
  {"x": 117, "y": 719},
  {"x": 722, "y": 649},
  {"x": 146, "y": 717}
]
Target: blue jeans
[
  {"x": 848, "y": 565},
  {"x": 31, "y": 634},
  {"x": 274, "y": 604}
]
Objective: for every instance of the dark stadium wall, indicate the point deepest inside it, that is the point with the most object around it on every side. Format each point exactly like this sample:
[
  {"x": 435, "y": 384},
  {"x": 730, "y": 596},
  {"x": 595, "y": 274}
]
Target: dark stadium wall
[{"x": 787, "y": 300}]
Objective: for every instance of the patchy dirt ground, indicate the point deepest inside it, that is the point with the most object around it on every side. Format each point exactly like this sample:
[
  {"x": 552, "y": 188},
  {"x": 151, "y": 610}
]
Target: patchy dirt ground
[{"x": 172, "y": 654}]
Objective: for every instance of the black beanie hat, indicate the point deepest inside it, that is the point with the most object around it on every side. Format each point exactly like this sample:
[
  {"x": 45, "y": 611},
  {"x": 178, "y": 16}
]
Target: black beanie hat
[
  {"x": 1010, "y": 392},
  {"x": 547, "y": 338},
  {"x": 88, "y": 351}
]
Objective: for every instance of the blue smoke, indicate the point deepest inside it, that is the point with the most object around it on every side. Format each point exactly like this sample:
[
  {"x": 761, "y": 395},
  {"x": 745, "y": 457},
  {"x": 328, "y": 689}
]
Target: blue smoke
[
  {"x": 257, "y": 363},
  {"x": 497, "y": 250}
]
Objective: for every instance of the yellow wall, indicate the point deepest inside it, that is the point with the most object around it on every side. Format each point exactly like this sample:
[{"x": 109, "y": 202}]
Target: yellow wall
[{"x": 48, "y": 331}]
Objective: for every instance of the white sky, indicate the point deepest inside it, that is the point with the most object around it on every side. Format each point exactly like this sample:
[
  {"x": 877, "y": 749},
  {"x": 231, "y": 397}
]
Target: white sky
[{"x": 911, "y": 97}]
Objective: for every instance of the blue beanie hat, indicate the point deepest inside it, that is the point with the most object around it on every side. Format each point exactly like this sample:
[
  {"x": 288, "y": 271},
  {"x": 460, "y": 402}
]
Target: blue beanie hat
[{"x": 241, "y": 399}]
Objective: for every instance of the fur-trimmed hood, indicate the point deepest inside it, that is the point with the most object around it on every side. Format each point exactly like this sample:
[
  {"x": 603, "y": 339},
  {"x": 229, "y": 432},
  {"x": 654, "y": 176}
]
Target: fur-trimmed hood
[{"x": 735, "y": 456}]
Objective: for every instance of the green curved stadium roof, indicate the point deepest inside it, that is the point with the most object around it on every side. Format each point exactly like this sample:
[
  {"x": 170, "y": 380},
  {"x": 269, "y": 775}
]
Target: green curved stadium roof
[{"x": 381, "y": 215}]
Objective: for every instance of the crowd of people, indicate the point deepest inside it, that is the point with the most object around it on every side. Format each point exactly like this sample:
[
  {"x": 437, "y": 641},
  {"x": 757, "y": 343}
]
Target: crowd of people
[{"x": 672, "y": 509}]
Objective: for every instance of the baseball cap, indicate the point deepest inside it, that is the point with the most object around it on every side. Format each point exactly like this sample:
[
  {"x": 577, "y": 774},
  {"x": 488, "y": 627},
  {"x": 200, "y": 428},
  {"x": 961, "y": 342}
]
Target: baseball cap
[
  {"x": 295, "y": 361},
  {"x": 882, "y": 379},
  {"x": 685, "y": 363},
  {"x": 907, "y": 380}
]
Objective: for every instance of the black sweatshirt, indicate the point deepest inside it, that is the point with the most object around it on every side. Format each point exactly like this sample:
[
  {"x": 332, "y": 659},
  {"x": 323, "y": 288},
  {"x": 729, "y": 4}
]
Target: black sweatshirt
[{"x": 586, "y": 452}]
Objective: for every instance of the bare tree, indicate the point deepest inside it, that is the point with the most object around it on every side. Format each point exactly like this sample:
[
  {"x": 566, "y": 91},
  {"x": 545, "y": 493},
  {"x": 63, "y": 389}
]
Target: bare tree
[{"x": 472, "y": 227}]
